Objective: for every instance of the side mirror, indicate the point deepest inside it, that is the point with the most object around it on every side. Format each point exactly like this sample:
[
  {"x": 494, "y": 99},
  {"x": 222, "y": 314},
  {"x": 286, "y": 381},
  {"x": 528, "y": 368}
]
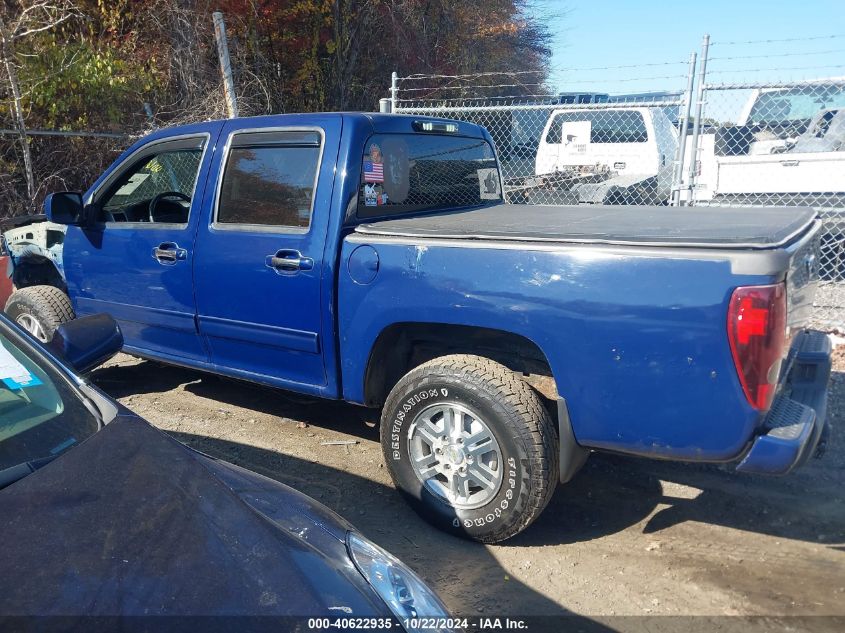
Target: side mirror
[
  {"x": 64, "y": 207},
  {"x": 87, "y": 342}
]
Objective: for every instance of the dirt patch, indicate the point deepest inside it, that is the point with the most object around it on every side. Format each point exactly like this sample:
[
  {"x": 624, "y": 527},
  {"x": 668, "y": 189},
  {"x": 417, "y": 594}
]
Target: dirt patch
[{"x": 626, "y": 537}]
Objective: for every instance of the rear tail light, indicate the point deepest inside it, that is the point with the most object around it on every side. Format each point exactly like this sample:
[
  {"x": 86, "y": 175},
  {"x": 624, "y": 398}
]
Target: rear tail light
[{"x": 757, "y": 335}]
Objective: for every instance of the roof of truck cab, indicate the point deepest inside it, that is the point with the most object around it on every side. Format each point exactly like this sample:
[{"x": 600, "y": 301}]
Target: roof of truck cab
[{"x": 378, "y": 122}]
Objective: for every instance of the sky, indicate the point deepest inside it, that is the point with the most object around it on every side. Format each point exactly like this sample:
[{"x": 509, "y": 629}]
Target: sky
[{"x": 602, "y": 33}]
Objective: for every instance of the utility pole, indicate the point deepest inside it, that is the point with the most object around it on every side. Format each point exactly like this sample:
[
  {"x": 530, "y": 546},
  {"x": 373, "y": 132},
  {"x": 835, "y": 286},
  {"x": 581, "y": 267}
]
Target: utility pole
[{"x": 225, "y": 65}]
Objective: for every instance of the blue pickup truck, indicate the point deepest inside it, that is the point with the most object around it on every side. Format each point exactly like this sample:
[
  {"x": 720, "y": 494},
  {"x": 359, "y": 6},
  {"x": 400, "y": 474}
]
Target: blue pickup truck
[{"x": 370, "y": 258}]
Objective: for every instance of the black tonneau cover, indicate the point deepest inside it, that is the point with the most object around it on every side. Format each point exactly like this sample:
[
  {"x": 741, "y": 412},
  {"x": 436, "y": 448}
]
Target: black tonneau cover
[{"x": 700, "y": 227}]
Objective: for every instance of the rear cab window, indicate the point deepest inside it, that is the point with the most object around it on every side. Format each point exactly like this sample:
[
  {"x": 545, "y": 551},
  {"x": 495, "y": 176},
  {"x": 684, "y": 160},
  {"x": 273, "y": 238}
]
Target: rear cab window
[
  {"x": 411, "y": 173},
  {"x": 269, "y": 180}
]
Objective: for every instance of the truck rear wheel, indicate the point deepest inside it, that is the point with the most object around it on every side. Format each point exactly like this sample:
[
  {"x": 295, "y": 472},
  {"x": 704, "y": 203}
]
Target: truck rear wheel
[
  {"x": 39, "y": 310},
  {"x": 471, "y": 447}
]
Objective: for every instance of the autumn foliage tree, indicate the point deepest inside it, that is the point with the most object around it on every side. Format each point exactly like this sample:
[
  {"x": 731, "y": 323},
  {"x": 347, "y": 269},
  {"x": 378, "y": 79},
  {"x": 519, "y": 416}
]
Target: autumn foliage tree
[{"x": 126, "y": 65}]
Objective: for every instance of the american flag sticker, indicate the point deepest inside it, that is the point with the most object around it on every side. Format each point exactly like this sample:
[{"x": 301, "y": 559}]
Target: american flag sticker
[{"x": 373, "y": 172}]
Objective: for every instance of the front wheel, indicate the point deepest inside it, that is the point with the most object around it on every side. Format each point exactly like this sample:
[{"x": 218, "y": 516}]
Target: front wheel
[
  {"x": 471, "y": 446},
  {"x": 39, "y": 310}
]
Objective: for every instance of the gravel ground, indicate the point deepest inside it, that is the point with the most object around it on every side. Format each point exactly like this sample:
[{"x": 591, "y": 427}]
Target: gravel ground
[{"x": 626, "y": 537}]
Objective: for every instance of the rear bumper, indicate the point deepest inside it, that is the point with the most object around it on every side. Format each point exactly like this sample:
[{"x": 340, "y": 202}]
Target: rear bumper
[{"x": 796, "y": 423}]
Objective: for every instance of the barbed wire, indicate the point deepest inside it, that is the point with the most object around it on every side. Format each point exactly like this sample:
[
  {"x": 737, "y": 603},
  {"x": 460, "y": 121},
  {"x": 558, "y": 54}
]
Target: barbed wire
[
  {"x": 420, "y": 76},
  {"x": 754, "y": 85},
  {"x": 578, "y": 88},
  {"x": 471, "y": 86},
  {"x": 417, "y": 76},
  {"x": 777, "y": 69},
  {"x": 497, "y": 101},
  {"x": 791, "y": 54},
  {"x": 778, "y": 41},
  {"x": 487, "y": 98}
]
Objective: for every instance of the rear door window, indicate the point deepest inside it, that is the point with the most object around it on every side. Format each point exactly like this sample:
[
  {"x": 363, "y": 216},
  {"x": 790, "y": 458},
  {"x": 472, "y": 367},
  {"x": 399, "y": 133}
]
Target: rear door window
[
  {"x": 408, "y": 173},
  {"x": 270, "y": 180}
]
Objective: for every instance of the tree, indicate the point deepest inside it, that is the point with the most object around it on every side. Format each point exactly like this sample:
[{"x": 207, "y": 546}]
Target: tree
[
  {"x": 101, "y": 64},
  {"x": 30, "y": 20}
]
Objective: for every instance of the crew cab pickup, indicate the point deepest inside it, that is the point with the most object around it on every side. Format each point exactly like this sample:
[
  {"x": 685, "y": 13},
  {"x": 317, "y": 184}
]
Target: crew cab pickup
[{"x": 371, "y": 258}]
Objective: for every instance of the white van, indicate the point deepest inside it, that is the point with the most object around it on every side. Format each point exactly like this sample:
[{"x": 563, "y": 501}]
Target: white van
[{"x": 607, "y": 154}]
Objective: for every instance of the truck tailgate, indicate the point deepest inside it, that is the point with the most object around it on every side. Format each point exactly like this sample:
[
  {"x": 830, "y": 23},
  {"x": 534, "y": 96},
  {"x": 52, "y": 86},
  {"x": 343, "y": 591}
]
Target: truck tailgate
[{"x": 802, "y": 279}]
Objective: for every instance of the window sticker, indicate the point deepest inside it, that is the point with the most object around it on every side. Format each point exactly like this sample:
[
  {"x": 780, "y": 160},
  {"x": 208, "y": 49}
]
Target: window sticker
[
  {"x": 576, "y": 134},
  {"x": 373, "y": 175},
  {"x": 374, "y": 167},
  {"x": 132, "y": 184},
  {"x": 488, "y": 184},
  {"x": 397, "y": 167},
  {"x": 374, "y": 196},
  {"x": 20, "y": 383},
  {"x": 13, "y": 374},
  {"x": 370, "y": 196}
]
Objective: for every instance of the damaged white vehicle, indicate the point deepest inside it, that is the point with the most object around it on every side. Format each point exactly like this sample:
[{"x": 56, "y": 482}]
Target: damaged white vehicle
[
  {"x": 33, "y": 274},
  {"x": 788, "y": 147}
]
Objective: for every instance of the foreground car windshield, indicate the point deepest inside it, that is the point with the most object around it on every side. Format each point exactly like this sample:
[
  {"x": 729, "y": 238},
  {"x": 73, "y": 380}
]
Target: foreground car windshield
[{"x": 40, "y": 413}]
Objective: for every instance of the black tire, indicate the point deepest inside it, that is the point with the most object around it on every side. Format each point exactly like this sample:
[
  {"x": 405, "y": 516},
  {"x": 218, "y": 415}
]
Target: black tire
[
  {"x": 514, "y": 415},
  {"x": 48, "y": 306}
]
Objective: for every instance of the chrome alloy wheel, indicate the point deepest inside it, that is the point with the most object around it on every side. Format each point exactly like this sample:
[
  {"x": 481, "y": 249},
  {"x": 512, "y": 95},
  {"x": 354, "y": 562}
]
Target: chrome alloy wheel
[
  {"x": 32, "y": 325},
  {"x": 455, "y": 455}
]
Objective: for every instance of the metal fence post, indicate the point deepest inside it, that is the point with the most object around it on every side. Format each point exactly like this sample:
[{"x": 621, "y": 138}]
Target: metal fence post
[
  {"x": 699, "y": 107},
  {"x": 394, "y": 88},
  {"x": 678, "y": 173},
  {"x": 225, "y": 65},
  {"x": 384, "y": 105}
]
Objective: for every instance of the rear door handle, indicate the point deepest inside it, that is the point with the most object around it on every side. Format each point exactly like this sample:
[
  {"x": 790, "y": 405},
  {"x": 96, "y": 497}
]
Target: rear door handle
[
  {"x": 168, "y": 253},
  {"x": 288, "y": 261}
]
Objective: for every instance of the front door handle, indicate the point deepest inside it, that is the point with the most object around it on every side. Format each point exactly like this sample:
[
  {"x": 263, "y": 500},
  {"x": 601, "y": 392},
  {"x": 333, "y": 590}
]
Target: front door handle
[
  {"x": 168, "y": 253},
  {"x": 288, "y": 261}
]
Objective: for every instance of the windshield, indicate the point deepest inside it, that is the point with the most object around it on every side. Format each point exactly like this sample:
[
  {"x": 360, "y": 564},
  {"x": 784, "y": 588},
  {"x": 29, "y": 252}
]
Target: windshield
[
  {"x": 406, "y": 173},
  {"x": 40, "y": 413},
  {"x": 796, "y": 104}
]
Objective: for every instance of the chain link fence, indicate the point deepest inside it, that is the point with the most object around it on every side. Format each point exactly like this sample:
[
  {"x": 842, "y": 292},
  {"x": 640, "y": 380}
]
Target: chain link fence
[
  {"x": 695, "y": 141},
  {"x": 579, "y": 153},
  {"x": 780, "y": 144}
]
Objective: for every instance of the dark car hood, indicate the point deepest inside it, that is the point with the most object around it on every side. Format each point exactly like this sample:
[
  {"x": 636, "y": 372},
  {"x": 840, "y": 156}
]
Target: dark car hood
[{"x": 132, "y": 522}]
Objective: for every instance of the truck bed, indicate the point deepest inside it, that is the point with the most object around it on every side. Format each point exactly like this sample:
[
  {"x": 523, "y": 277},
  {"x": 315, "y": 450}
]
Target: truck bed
[{"x": 707, "y": 227}]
